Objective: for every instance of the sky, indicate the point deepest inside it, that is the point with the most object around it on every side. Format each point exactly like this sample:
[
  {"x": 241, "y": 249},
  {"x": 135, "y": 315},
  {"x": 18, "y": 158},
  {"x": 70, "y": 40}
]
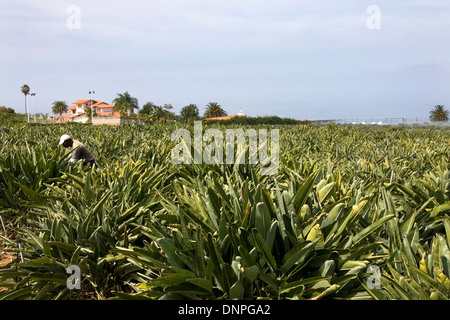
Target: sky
[{"x": 304, "y": 59}]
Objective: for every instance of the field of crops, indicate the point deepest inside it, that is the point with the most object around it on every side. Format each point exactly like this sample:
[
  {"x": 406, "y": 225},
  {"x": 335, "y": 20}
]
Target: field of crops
[{"x": 354, "y": 212}]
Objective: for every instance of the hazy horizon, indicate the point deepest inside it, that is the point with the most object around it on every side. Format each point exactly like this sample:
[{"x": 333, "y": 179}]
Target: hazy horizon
[{"x": 297, "y": 59}]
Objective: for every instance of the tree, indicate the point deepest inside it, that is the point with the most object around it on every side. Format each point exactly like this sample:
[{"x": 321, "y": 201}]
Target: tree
[
  {"x": 8, "y": 115},
  {"x": 151, "y": 112},
  {"x": 161, "y": 114},
  {"x": 43, "y": 116},
  {"x": 125, "y": 104},
  {"x": 189, "y": 112},
  {"x": 87, "y": 110},
  {"x": 147, "y": 109},
  {"x": 26, "y": 90},
  {"x": 4, "y": 109},
  {"x": 59, "y": 107},
  {"x": 439, "y": 114},
  {"x": 213, "y": 109}
]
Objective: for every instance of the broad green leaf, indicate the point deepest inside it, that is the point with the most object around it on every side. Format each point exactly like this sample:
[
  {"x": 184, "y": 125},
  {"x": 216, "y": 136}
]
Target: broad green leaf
[
  {"x": 202, "y": 283},
  {"x": 326, "y": 191},
  {"x": 237, "y": 290},
  {"x": 264, "y": 250},
  {"x": 33, "y": 195},
  {"x": 327, "y": 268},
  {"x": 442, "y": 279},
  {"x": 169, "y": 249},
  {"x": 303, "y": 193},
  {"x": 447, "y": 229},
  {"x": 214, "y": 254},
  {"x": 333, "y": 215},
  {"x": 316, "y": 235},
  {"x": 251, "y": 272},
  {"x": 286, "y": 287},
  {"x": 296, "y": 256},
  {"x": 371, "y": 228},
  {"x": 443, "y": 208},
  {"x": 262, "y": 219}
]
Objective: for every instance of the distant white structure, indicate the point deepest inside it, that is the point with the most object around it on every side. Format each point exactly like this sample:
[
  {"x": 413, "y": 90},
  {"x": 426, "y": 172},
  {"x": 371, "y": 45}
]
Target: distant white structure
[
  {"x": 368, "y": 123},
  {"x": 241, "y": 114}
]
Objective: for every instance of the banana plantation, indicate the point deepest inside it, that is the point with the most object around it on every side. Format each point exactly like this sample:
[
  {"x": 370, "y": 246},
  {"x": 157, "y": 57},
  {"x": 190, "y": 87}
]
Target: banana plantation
[{"x": 353, "y": 213}]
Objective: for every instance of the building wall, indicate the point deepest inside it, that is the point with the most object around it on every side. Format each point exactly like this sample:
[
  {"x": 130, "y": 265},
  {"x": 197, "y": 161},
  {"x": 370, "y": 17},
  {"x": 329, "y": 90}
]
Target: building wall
[
  {"x": 109, "y": 109},
  {"x": 111, "y": 120},
  {"x": 82, "y": 118}
]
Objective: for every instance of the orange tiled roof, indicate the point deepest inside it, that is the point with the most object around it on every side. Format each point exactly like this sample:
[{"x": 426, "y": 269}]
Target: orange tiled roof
[
  {"x": 221, "y": 118},
  {"x": 94, "y": 102},
  {"x": 80, "y": 114},
  {"x": 68, "y": 115},
  {"x": 81, "y": 101},
  {"x": 98, "y": 103},
  {"x": 72, "y": 107}
]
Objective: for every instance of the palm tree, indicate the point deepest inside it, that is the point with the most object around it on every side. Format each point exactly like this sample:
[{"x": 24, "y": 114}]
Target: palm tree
[
  {"x": 125, "y": 104},
  {"x": 189, "y": 112},
  {"x": 147, "y": 108},
  {"x": 161, "y": 114},
  {"x": 25, "y": 90},
  {"x": 59, "y": 107},
  {"x": 439, "y": 114},
  {"x": 213, "y": 109}
]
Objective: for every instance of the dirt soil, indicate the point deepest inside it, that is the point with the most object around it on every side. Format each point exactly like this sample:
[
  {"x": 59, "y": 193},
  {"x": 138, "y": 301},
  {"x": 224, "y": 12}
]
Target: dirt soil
[{"x": 5, "y": 257}]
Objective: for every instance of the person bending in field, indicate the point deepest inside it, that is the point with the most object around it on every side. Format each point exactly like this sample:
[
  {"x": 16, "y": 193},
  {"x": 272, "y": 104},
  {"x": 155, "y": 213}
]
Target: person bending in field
[{"x": 79, "y": 150}]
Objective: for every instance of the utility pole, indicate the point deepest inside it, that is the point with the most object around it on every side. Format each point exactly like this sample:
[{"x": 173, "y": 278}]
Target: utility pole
[
  {"x": 92, "y": 109},
  {"x": 34, "y": 113},
  {"x": 26, "y": 104}
]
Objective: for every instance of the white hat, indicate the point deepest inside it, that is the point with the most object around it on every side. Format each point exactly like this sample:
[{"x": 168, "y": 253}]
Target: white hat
[{"x": 64, "y": 137}]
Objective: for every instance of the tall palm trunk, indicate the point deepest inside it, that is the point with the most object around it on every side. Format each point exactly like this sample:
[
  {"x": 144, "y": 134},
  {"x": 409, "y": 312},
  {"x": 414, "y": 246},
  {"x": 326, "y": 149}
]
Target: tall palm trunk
[
  {"x": 26, "y": 107},
  {"x": 25, "y": 90}
]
